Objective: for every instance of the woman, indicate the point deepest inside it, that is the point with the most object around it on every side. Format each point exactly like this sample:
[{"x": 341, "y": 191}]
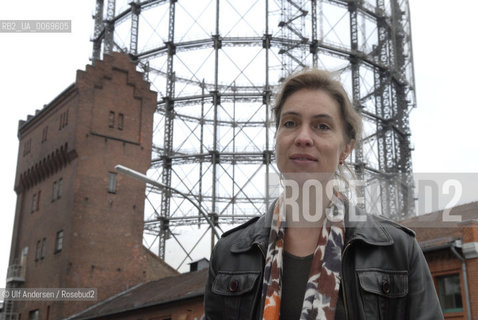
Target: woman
[{"x": 307, "y": 258}]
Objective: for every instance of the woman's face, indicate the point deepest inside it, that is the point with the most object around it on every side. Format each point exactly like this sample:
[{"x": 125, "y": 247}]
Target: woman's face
[{"x": 310, "y": 137}]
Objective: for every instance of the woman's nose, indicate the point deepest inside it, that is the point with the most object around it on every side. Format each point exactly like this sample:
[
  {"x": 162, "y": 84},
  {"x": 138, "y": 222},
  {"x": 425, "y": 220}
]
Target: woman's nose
[{"x": 304, "y": 137}]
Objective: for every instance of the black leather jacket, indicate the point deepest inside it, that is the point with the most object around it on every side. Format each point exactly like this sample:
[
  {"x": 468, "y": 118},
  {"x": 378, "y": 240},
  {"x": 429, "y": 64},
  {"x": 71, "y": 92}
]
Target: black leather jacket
[{"x": 384, "y": 273}]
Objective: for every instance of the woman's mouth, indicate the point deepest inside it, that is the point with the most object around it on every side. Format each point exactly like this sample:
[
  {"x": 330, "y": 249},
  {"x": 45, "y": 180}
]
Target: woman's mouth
[{"x": 302, "y": 158}]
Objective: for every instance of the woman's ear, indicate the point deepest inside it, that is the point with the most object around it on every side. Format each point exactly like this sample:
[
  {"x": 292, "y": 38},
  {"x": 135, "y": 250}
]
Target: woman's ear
[{"x": 349, "y": 146}]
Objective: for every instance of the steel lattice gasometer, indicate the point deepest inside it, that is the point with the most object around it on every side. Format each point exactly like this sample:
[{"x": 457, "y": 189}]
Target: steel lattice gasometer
[{"x": 216, "y": 64}]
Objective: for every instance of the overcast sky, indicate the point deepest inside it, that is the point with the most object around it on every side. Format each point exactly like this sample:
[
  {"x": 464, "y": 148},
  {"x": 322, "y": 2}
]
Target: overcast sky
[{"x": 35, "y": 68}]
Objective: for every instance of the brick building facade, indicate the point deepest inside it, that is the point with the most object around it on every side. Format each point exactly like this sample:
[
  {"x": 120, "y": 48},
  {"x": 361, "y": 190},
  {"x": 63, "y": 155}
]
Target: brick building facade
[
  {"x": 77, "y": 223},
  {"x": 449, "y": 240}
]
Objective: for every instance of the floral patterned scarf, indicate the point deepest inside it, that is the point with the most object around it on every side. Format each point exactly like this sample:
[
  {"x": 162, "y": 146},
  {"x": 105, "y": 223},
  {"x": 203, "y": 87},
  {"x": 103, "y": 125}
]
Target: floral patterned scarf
[{"x": 322, "y": 288}]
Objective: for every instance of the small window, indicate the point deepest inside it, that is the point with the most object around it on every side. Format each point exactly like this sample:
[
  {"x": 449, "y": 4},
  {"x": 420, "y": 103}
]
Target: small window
[
  {"x": 450, "y": 293},
  {"x": 60, "y": 188},
  {"x": 59, "y": 241},
  {"x": 120, "y": 121},
  {"x": 54, "y": 191},
  {"x": 43, "y": 248},
  {"x": 63, "y": 119},
  {"x": 44, "y": 134},
  {"x": 37, "y": 204},
  {"x": 34, "y": 315},
  {"x": 111, "y": 120},
  {"x": 112, "y": 182},
  {"x": 23, "y": 259},
  {"x": 38, "y": 251},
  {"x": 27, "y": 147},
  {"x": 57, "y": 189},
  {"x": 34, "y": 202}
]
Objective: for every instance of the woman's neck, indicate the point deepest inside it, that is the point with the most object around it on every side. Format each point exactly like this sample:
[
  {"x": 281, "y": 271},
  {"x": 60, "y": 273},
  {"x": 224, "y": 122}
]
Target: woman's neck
[
  {"x": 301, "y": 242},
  {"x": 305, "y": 215},
  {"x": 305, "y": 209}
]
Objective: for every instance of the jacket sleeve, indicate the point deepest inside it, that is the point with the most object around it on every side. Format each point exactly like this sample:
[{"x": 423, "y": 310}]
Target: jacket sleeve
[
  {"x": 423, "y": 301},
  {"x": 212, "y": 304}
]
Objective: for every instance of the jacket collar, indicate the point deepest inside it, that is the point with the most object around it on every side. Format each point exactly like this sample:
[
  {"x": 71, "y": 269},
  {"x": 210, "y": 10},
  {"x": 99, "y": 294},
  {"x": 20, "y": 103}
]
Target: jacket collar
[
  {"x": 358, "y": 226},
  {"x": 367, "y": 228},
  {"x": 257, "y": 233}
]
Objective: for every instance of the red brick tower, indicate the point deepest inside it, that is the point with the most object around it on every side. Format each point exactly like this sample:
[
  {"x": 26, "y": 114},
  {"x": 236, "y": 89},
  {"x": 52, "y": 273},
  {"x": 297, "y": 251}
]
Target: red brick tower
[{"x": 77, "y": 223}]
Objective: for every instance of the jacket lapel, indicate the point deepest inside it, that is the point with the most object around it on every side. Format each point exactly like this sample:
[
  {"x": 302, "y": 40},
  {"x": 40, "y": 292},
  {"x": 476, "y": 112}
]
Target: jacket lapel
[
  {"x": 255, "y": 234},
  {"x": 364, "y": 227}
]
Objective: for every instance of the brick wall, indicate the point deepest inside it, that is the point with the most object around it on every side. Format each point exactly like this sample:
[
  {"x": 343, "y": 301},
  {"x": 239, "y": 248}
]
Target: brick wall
[
  {"x": 470, "y": 235},
  {"x": 444, "y": 262}
]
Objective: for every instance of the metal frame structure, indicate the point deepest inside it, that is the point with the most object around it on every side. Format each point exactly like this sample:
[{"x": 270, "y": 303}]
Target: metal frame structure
[{"x": 216, "y": 64}]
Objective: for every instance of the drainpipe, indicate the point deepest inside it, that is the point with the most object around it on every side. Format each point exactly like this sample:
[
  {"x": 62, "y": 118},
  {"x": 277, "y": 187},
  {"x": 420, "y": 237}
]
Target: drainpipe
[{"x": 453, "y": 247}]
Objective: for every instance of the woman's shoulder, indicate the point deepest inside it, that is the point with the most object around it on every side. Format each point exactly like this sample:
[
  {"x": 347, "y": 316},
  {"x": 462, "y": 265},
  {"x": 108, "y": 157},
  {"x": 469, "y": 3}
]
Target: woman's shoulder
[
  {"x": 374, "y": 229},
  {"x": 356, "y": 216},
  {"x": 257, "y": 227},
  {"x": 242, "y": 237},
  {"x": 233, "y": 251},
  {"x": 238, "y": 229},
  {"x": 394, "y": 225}
]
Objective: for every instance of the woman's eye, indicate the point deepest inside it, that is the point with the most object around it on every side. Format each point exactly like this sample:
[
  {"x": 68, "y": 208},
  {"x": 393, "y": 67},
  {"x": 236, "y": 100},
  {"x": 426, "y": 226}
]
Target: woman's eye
[
  {"x": 323, "y": 126},
  {"x": 289, "y": 124}
]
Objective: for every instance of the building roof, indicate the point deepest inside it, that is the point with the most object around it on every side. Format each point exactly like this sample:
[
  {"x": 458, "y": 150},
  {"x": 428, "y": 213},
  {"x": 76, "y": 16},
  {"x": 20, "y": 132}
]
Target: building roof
[
  {"x": 171, "y": 289},
  {"x": 22, "y": 124},
  {"x": 443, "y": 226}
]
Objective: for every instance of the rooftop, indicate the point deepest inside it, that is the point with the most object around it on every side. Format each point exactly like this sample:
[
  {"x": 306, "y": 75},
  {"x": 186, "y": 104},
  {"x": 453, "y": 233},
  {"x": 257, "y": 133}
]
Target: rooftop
[
  {"x": 153, "y": 293},
  {"x": 438, "y": 227}
]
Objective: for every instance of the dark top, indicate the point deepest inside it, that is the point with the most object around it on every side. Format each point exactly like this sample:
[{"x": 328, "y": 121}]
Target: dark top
[{"x": 294, "y": 280}]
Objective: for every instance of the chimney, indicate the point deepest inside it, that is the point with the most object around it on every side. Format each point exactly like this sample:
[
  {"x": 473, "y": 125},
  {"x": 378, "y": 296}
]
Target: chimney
[
  {"x": 469, "y": 231},
  {"x": 198, "y": 265}
]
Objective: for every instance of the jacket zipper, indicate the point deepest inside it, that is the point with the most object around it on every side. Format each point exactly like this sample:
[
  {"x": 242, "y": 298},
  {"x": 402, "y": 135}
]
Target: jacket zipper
[
  {"x": 260, "y": 248},
  {"x": 343, "y": 281}
]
